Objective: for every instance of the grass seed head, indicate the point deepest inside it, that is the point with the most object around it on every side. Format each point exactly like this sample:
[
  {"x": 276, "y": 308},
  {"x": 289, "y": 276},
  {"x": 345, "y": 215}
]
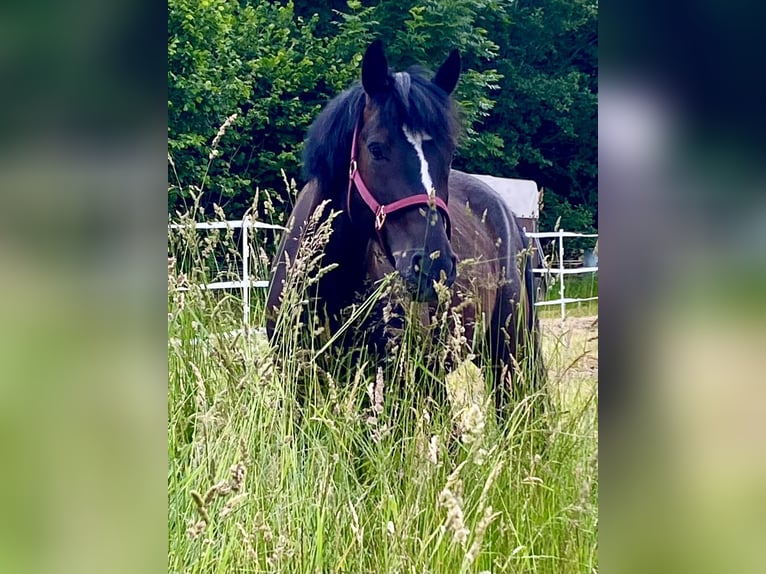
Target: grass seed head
[
  {"x": 232, "y": 504},
  {"x": 195, "y": 529},
  {"x": 238, "y": 473},
  {"x": 478, "y": 535},
  {"x": 472, "y": 423},
  {"x": 433, "y": 451},
  {"x": 455, "y": 520},
  {"x": 221, "y": 131}
]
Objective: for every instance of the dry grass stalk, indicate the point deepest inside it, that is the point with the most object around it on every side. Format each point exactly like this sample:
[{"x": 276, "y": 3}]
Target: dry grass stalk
[
  {"x": 221, "y": 131},
  {"x": 455, "y": 520},
  {"x": 433, "y": 451},
  {"x": 451, "y": 498},
  {"x": 478, "y": 535}
]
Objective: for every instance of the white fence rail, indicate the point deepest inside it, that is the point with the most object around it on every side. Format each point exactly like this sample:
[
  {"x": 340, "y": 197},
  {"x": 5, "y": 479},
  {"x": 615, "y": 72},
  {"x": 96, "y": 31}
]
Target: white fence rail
[
  {"x": 561, "y": 271},
  {"x": 248, "y": 283}
]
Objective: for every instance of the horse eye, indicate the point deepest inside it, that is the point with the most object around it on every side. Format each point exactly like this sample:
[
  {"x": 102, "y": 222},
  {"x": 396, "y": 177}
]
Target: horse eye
[{"x": 376, "y": 150}]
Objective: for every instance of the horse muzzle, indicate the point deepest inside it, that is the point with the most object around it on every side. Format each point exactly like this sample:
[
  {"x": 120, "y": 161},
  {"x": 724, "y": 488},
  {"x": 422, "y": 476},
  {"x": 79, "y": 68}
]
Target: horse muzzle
[{"x": 421, "y": 270}]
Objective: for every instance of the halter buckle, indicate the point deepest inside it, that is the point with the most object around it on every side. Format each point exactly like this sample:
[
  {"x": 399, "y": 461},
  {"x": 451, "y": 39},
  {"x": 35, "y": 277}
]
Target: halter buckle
[
  {"x": 352, "y": 168},
  {"x": 380, "y": 218}
]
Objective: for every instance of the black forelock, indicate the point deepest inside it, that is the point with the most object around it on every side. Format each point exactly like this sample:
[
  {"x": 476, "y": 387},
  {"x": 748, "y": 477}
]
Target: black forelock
[
  {"x": 327, "y": 148},
  {"x": 427, "y": 108}
]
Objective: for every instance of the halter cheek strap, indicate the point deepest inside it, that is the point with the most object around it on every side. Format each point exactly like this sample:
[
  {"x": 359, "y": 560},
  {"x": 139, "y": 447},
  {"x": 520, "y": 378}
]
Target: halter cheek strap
[{"x": 381, "y": 211}]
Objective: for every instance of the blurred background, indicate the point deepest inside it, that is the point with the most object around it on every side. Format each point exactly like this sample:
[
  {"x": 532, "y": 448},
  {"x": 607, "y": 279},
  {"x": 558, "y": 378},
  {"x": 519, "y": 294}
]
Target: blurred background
[
  {"x": 82, "y": 252},
  {"x": 681, "y": 206},
  {"x": 683, "y": 256}
]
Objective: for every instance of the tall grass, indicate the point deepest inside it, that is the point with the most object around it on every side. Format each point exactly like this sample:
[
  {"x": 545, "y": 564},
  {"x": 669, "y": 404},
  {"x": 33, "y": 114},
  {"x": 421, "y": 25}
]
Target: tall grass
[
  {"x": 576, "y": 286},
  {"x": 369, "y": 478},
  {"x": 364, "y": 474}
]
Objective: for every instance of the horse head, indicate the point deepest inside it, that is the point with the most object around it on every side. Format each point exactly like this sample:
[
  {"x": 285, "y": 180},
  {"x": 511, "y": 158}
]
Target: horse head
[{"x": 401, "y": 152}]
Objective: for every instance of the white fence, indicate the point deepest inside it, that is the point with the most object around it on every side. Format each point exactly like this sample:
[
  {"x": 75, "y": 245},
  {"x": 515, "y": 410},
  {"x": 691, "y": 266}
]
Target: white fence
[
  {"x": 248, "y": 283},
  {"x": 561, "y": 271}
]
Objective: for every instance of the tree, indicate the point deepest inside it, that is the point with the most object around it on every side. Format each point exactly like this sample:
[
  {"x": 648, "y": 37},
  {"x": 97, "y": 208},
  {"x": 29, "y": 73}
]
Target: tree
[
  {"x": 528, "y": 94},
  {"x": 259, "y": 61},
  {"x": 545, "y": 115}
]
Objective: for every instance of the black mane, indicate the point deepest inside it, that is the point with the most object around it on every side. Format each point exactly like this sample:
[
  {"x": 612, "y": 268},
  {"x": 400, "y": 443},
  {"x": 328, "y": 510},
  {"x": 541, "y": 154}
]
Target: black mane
[{"x": 417, "y": 103}]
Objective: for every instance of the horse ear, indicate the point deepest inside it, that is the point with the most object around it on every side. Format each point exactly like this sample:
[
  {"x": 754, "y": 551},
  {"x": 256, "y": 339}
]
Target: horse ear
[
  {"x": 449, "y": 72},
  {"x": 374, "y": 69}
]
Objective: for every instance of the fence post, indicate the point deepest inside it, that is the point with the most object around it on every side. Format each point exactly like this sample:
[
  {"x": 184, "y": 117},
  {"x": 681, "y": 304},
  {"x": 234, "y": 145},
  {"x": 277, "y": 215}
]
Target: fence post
[
  {"x": 561, "y": 274},
  {"x": 245, "y": 271}
]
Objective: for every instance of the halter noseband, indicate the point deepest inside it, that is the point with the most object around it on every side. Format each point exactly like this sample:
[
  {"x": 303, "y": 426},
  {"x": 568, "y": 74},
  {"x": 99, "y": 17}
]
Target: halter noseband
[{"x": 381, "y": 211}]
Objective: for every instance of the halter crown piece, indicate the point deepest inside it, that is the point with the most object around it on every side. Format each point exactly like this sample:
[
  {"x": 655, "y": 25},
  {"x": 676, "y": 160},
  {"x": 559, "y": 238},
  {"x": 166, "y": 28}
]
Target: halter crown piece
[{"x": 381, "y": 211}]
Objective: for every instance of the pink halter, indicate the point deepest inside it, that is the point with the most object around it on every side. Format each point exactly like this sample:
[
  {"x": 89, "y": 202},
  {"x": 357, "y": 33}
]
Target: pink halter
[{"x": 381, "y": 211}]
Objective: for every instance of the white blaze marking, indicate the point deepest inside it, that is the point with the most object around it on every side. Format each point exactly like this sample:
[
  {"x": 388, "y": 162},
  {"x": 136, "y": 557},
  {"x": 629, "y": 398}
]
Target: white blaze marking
[{"x": 417, "y": 139}]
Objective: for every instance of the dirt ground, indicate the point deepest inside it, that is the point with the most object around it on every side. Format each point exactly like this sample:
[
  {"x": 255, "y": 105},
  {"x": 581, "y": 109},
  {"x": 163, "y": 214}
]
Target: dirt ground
[
  {"x": 556, "y": 326},
  {"x": 571, "y": 347}
]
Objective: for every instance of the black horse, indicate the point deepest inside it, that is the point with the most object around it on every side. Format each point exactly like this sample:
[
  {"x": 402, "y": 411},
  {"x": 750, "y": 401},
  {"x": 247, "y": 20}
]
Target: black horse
[{"x": 380, "y": 154}]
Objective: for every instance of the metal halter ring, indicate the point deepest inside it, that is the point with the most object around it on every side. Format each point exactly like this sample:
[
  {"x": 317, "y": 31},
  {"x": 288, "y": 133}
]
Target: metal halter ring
[{"x": 380, "y": 218}]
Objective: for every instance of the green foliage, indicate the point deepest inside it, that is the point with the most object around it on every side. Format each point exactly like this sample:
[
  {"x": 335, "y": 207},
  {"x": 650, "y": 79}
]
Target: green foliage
[
  {"x": 418, "y": 32},
  {"x": 544, "y": 119},
  {"x": 256, "y": 59},
  {"x": 527, "y": 94}
]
